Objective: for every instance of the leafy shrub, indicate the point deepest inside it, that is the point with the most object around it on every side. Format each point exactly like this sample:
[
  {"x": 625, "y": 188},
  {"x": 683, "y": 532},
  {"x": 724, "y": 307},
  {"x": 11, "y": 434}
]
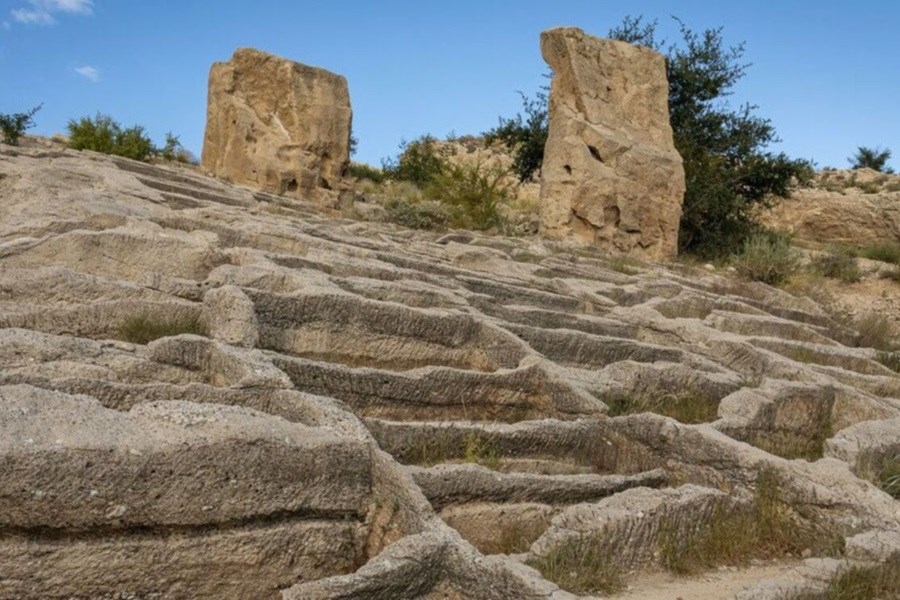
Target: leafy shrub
[
  {"x": 768, "y": 258},
  {"x": 419, "y": 162},
  {"x": 837, "y": 263},
  {"x": 143, "y": 329},
  {"x": 103, "y": 134},
  {"x": 472, "y": 194},
  {"x": 871, "y": 158},
  {"x": 360, "y": 171},
  {"x": 418, "y": 215},
  {"x": 12, "y": 126},
  {"x": 525, "y": 136}
]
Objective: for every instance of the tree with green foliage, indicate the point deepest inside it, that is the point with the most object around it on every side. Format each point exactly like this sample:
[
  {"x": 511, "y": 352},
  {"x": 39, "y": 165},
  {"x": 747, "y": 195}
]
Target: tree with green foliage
[
  {"x": 525, "y": 135},
  {"x": 871, "y": 158},
  {"x": 12, "y": 126},
  {"x": 103, "y": 134},
  {"x": 418, "y": 162},
  {"x": 730, "y": 173}
]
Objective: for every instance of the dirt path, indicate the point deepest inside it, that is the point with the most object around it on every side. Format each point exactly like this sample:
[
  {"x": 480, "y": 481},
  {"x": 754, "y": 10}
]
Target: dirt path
[{"x": 714, "y": 585}]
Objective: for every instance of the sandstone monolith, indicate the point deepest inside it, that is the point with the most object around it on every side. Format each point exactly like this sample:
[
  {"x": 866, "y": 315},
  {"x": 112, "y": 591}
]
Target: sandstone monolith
[
  {"x": 277, "y": 125},
  {"x": 611, "y": 175}
]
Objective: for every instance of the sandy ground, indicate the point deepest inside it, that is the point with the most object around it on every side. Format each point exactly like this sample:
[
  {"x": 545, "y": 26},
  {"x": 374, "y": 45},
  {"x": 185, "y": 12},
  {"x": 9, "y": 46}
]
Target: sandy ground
[{"x": 715, "y": 585}]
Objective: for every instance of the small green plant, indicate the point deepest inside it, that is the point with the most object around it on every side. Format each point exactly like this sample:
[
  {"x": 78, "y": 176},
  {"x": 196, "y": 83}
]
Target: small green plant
[
  {"x": 582, "y": 567},
  {"x": 887, "y": 252},
  {"x": 103, "y": 134},
  {"x": 768, "y": 258},
  {"x": 472, "y": 193},
  {"x": 481, "y": 451},
  {"x": 432, "y": 450},
  {"x": 12, "y": 126},
  {"x": 423, "y": 214},
  {"x": 837, "y": 263},
  {"x": 889, "y": 476},
  {"x": 419, "y": 162},
  {"x": 143, "y": 329},
  {"x": 360, "y": 171},
  {"x": 871, "y": 158}
]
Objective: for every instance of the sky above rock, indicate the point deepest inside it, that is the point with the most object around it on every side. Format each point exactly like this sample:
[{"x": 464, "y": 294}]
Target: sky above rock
[{"x": 826, "y": 73}]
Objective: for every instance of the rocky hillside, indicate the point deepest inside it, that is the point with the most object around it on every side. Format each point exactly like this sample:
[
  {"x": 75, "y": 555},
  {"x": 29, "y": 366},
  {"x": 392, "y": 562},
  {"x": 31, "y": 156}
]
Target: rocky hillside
[
  {"x": 209, "y": 392},
  {"x": 858, "y": 207}
]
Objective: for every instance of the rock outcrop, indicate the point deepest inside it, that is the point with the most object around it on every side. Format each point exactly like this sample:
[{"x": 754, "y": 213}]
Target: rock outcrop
[
  {"x": 857, "y": 207},
  {"x": 332, "y": 409},
  {"x": 611, "y": 176},
  {"x": 277, "y": 125}
]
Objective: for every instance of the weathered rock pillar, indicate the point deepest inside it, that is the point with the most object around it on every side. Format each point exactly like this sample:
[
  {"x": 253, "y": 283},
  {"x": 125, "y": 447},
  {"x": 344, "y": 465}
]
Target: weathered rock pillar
[
  {"x": 611, "y": 175},
  {"x": 277, "y": 125}
]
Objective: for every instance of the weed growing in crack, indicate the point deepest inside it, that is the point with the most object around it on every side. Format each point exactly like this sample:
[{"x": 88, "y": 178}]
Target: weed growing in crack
[
  {"x": 771, "y": 528},
  {"x": 583, "y": 567}
]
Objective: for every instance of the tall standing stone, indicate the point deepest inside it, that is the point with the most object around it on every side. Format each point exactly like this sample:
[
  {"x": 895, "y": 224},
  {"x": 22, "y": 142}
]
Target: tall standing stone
[
  {"x": 277, "y": 125},
  {"x": 611, "y": 175}
]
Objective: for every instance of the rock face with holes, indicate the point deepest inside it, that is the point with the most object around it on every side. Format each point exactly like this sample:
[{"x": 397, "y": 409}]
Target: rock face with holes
[
  {"x": 277, "y": 125},
  {"x": 213, "y": 392},
  {"x": 611, "y": 176}
]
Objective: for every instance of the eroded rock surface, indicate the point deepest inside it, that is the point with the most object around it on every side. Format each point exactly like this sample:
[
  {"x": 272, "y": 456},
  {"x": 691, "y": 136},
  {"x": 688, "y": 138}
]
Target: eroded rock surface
[
  {"x": 857, "y": 207},
  {"x": 276, "y": 125},
  {"x": 209, "y": 392},
  {"x": 611, "y": 176}
]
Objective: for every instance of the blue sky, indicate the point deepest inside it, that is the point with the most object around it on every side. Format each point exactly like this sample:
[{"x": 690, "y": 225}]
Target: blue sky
[{"x": 826, "y": 72}]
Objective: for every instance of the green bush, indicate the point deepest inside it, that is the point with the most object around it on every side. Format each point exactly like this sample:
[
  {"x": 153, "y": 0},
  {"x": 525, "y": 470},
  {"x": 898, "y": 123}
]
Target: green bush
[
  {"x": 525, "y": 136},
  {"x": 360, "y": 171},
  {"x": 871, "y": 158},
  {"x": 837, "y": 263},
  {"x": 887, "y": 252},
  {"x": 768, "y": 258},
  {"x": 103, "y": 134},
  {"x": 472, "y": 194},
  {"x": 419, "y": 162},
  {"x": 424, "y": 214},
  {"x": 12, "y": 126}
]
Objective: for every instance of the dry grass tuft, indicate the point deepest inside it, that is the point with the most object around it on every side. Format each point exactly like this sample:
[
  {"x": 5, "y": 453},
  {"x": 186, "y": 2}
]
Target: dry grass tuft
[{"x": 686, "y": 408}]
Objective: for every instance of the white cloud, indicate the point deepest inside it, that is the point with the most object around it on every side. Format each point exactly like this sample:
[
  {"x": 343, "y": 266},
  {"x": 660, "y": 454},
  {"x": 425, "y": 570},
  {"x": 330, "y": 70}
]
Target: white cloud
[
  {"x": 40, "y": 12},
  {"x": 90, "y": 73}
]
